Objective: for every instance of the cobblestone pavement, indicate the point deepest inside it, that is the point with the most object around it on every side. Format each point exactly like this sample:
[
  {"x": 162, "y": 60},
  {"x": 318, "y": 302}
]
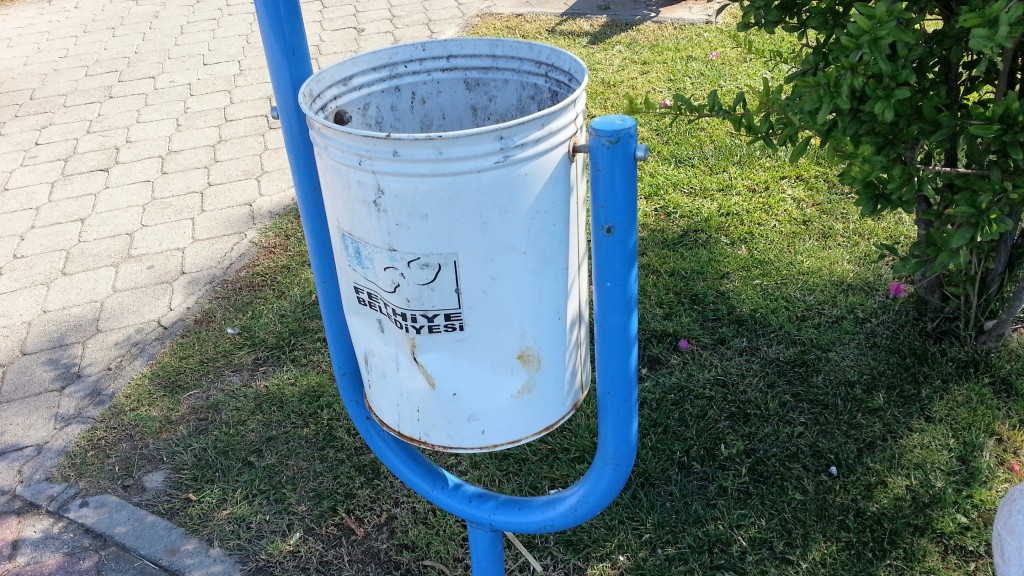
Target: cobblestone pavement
[{"x": 137, "y": 161}]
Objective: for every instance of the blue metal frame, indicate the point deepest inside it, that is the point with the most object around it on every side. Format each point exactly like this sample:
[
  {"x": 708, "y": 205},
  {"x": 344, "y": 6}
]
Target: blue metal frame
[{"x": 613, "y": 150}]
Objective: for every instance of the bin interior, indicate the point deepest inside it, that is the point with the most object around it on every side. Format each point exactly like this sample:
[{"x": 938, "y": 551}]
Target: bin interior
[{"x": 446, "y": 98}]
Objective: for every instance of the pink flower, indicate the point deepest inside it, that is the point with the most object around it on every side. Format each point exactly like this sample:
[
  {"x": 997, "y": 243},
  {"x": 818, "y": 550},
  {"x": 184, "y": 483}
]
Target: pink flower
[
  {"x": 666, "y": 103},
  {"x": 1015, "y": 468},
  {"x": 897, "y": 290},
  {"x": 715, "y": 55},
  {"x": 683, "y": 345}
]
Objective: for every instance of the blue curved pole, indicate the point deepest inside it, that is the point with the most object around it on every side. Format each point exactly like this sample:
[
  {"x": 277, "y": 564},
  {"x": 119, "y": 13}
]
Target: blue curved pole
[{"x": 613, "y": 172}]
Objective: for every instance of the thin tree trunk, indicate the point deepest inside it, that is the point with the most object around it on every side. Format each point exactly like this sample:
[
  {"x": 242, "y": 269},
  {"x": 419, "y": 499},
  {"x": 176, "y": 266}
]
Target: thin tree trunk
[
  {"x": 995, "y": 333},
  {"x": 1004, "y": 249},
  {"x": 928, "y": 287}
]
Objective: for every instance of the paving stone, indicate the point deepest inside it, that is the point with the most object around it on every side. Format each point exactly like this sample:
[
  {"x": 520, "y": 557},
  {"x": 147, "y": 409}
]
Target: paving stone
[
  {"x": 239, "y": 148},
  {"x": 76, "y": 289},
  {"x": 61, "y": 211},
  {"x": 10, "y": 160},
  {"x": 251, "y": 92},
  {"x": 52, "y": 152},
  {"x": 36, "y": 174},
  {"x": 79, "y": 564},
  {"x": 208, "y": 101},
  {"x": 122, "y": 104},
  {"x": 86, "y": 184},
  {"x": 190, "y": 62},
  {"x": 102, "y": 352},
  {"x": 207, "y": 254},
  {"x": 30, "y": 271},
  {"x": 90, "y": 161},
  {"x": 276, "y": 182},
  {"x": 20, "y": 141},
  {"x": 143, "y": 86},
  {"x": 162, "y": 237},
  {"x": 45, "y": 494},
  {"x": 102, "y": 140},
  {"x": 156, "y": 129},
  {"x": 188, "y": 288},
  {"x": 63, "y": 327},
  {"x": 19, "y": 222},
  {"x": 49, "y": 238},
  {"x": 211, "y": 85},
  {"x": 11, "y": 338},
  {"x": 41, "y": 106},
  {"x": 43, "y": 539},
  {"x": 163, "y": 210},
  {"x": 27, "y": 123},
  {"x": 196, "y": 138},
  {"x": 225, "y": 221},
  {"x": 188, "y": 159},
  {"x": 254, "y": 126},
  {"x": 77, "y": 97},
  {"x": 25, "y": 198},
  {"x": 143, "y": 149},
  {"x": 180, "y": 183},
  {"x": 107, "y": 65},
  {"x": 136, "y": 194},
  {"x": 34, "y": 374},
  {"x": 111, "y": 223},
  {"x": 109, "y": 122},
  {"x": 161, "y": 111},
  {"x": 244, "y": 168},
  {"x": 10, "y": 528},
  {"x": 97, "y": 254},
  {"x": 98, "y": 81},
  {"x": 273, "y": 160},
  {"x": 274, "y": 138},
  {"x": 135, "y": 306},
  {"x": 66, "y": 131},
  {"x": 21, "y": 305},
  {"x": 164, "y": 95},
  {"x": 129, "y": 173},
  {"x": 12, "y": 461},
  {"x": 147, "y": 270},
  {"x": 202, "y": 119},
  {"x": 7, "y": 246}
]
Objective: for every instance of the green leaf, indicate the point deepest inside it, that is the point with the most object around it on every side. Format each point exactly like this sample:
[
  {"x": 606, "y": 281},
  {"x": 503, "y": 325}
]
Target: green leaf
[
  {"x": 961, "y": 237},
  {"x": 799, "y": 150}
]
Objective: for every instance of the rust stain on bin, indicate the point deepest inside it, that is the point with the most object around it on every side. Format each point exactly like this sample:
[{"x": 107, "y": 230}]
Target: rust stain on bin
[
  {"x": 423, "y": 369},
  {"x": 531, "y": 363}
]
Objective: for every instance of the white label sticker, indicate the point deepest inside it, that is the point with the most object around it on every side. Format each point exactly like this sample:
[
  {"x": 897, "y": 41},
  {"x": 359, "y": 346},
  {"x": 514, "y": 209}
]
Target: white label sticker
[{"x": 417, "y": 293}]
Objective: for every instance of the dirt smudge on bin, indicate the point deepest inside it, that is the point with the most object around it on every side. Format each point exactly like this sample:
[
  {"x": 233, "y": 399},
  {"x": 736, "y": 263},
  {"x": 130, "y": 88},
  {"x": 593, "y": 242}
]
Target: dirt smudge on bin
[
  {"x": 531, "y": 363},
  {"x": 423, "y": 369}
]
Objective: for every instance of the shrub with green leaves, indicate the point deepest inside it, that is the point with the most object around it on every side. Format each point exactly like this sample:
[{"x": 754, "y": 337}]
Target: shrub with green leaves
[{"x": 919, "y": 104}]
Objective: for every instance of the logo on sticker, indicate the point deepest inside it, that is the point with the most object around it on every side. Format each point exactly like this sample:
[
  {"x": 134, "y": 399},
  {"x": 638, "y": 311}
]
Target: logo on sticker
[{"x": 417, "y": 293}]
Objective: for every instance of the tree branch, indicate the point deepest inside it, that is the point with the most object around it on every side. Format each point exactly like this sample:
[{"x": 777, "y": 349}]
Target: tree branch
[
  {"x": 1003, "y": 86},
  {"x": 950, "y": 171},
  {"x": 1003, "y": 252},
  {"x": 995, "y": 333}
]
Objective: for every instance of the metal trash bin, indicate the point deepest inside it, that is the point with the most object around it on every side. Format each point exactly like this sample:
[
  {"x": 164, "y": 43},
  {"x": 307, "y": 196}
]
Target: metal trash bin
[{"x": 456, "y": 208}]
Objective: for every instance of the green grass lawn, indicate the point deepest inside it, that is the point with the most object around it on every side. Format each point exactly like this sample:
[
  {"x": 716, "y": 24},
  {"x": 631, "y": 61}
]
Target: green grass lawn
[{"x": 801, "y": 362}]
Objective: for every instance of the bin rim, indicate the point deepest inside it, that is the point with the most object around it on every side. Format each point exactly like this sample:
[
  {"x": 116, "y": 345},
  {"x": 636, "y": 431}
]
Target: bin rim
[{"x": 423, "y": 136}]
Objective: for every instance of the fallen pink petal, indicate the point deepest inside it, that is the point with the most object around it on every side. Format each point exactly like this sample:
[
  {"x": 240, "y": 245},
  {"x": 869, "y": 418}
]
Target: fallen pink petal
[
  {"x": 683, "y": 345},
  {"x": 666, "y": 103},
  {"x": 897, "y": 290},
  {"x": 1015, "y": 468},
  {"x": 715, "y": 55}
]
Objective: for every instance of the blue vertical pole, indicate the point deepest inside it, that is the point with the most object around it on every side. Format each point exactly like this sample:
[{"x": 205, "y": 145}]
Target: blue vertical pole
[
  {"x": 614, "y": 153},
  {"x": 486, "y": 551}
]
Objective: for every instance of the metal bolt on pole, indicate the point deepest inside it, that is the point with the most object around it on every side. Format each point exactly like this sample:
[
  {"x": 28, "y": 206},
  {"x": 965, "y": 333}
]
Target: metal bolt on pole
[{"x": 614, "y": 154}]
